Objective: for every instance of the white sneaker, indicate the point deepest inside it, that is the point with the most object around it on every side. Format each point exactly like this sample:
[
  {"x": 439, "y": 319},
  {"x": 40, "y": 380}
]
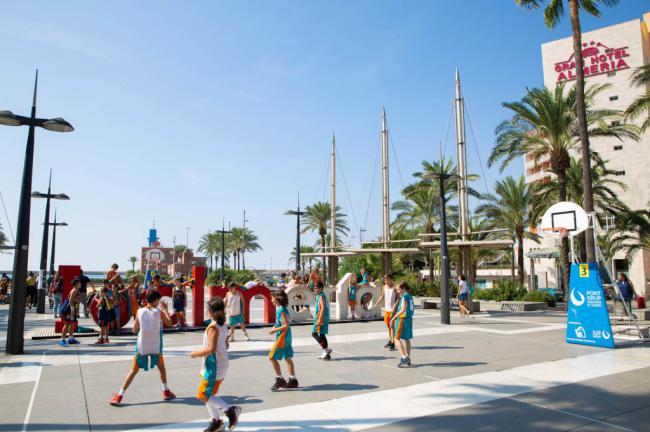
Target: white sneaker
[{"x": 323, "y": 355}]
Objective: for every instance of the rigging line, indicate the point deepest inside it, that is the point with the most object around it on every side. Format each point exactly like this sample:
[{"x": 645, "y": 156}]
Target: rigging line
[
  {"x": 475, "y": 141},
  {"x": 11, "y": 231},
  {"x": 392, "y": 146},
  {"x": 372, "y": 184},
  {"x": 327, "y": 176},
  {"x": 443, "y": 148},
  {"x": 321, "y": 178},
  {"x": 347, "y": 191},
  {"x": 365, "y": 183}
]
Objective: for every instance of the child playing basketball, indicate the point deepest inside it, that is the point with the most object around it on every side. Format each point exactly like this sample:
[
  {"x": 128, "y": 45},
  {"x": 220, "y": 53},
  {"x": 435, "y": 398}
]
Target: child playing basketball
[
  {"x": 70, "y": 314},
  {"x": 403, "y": 324},
  {"x": 148, "y": 349},
  {"x": 180, "y": 302},
  {"x": 282, "y": 349},
  {"x": 235, "y": 312},
  {"x": 389, "y": 296},
  {"x": 321, "y": 322},
  {"x": 213, "y": 371},
  {"x": 352, "y": 296},
  {"x": 104, "y": 308}
]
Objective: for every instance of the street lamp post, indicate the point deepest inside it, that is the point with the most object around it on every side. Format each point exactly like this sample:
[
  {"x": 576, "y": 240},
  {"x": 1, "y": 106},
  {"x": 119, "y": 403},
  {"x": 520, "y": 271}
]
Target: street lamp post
[
  {"x": 297, "y": 213},
  {"x": 54, "y": 224},
  {"x": 444, "y": 253},
  {"x": 40, "y": 306},
  {"x": 223, "y": 233},
  {"x": 16, "y": 324}
]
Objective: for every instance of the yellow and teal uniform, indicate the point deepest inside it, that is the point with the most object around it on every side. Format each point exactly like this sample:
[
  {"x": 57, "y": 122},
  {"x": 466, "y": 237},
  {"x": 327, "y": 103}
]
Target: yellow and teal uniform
[
  {"x": 352, "y": 295},
  {"x": 282, "y": 348},
  {"x": 322, "y": 315},
  {"x": 404, "y": 322},
  {"x": 214, "y": 367}
]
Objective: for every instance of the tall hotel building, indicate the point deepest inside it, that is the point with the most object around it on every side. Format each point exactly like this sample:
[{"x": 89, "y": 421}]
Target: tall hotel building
[{"x": 611, "y": 54}]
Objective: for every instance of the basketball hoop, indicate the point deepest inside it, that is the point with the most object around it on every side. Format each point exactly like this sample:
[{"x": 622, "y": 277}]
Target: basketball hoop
[{"x": 557, "y": 232}]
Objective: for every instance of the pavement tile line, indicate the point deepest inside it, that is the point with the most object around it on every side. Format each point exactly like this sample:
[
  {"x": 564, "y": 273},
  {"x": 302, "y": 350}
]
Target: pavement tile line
[
  {"x": 28, "y": 414},
  {"x": 380, "y": 408}
]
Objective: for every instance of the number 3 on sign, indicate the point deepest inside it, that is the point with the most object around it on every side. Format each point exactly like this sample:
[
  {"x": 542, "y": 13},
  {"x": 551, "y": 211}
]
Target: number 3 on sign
[{"x": 584, "y": 270}]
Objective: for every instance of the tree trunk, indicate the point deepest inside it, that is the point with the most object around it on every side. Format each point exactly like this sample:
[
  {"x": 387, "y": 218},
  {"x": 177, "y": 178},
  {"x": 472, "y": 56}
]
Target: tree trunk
[
  {"x": 564, "y": 252},
  {"x": 431, "y": 267},
  {"x": 520, "y": 257},
  {"x": 512, "y": 265},
  {"x": 588, "y": 195}
]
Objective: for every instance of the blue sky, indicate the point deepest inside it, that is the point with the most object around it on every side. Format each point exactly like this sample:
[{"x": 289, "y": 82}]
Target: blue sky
[{"x": 191, "y": 112}]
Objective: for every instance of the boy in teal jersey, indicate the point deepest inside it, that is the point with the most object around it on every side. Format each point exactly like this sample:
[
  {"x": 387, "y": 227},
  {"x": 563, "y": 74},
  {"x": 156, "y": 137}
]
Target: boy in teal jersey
[
  {"x": 321, "y": 322},
  {"x": 352, "y": 296},
  {"x": 402, "y": 323},
  {"x": 282, "y": 349}
]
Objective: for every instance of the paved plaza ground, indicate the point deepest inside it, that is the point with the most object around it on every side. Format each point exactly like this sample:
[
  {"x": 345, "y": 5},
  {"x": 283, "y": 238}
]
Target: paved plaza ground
[{"x": 490, "y": 373}]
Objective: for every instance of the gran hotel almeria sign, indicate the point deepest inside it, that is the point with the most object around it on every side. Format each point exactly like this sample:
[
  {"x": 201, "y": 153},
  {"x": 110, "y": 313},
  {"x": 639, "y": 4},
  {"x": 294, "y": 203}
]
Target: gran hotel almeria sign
[{"x": 598, "y": 59}]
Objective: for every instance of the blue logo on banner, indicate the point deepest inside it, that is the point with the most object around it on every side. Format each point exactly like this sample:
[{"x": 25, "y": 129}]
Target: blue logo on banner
[{"x": 588, "y": 319}]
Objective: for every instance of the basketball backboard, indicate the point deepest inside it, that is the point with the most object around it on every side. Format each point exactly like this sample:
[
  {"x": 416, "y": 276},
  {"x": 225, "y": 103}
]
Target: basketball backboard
[{"x": 567, "y": 215}]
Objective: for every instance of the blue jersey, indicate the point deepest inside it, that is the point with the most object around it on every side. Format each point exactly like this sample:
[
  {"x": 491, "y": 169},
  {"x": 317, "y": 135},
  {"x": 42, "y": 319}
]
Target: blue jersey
[
  {"x": 322, "y": 315},
  {"x": 352, "y": 293},
  {"x": 408, "y": 306}
]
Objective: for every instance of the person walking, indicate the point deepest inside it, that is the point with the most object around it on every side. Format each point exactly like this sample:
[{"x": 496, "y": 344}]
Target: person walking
[
  {"x": 57, "y": 294},
  {"x": 626, "y": 290},
  {"x": 31, "y": 290},
  {"x": 462, "y": 295}
]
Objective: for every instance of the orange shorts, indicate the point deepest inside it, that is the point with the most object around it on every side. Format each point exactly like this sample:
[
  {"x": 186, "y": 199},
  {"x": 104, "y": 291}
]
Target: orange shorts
[
  {"x": 352, "y": 303},
  {"x": 388, "y": 315},
  {"x": 207, "y": 388}
]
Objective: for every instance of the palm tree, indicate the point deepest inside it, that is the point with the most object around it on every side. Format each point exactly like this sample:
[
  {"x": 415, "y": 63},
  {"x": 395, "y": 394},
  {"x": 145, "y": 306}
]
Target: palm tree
[
  {"x": 317, "y": 218},
  {"x": 641, "y": 105},
  {"x": 181, "y": 248},
  {"x": 251, "y": 244},
  {"x": 303, "y": 249},
  {"x": 133, "y": 260},
  {"x": 633, "y": 228},
  {"x": 552, "y": 14},
  {"x": 3, "y": 238},
  {"x": 512, "y": 208},
  {"x": 210, "y": 244},
  {"x": 544, "y": 123}
]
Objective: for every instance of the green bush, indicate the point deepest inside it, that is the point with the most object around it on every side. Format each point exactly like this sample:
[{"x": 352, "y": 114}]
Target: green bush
[
  {"x": 505, "y": 290},
  {"x": 540, "y": 296},
  {"x": 237, "y": 276}
]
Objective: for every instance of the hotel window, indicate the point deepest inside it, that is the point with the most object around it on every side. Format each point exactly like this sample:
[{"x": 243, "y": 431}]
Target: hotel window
[
  {"x": 618, "y": 147},
  {"x": 616, "y": 123},
  {"x": 613, "y": 98},
  {"x": 619, "y": 173}
]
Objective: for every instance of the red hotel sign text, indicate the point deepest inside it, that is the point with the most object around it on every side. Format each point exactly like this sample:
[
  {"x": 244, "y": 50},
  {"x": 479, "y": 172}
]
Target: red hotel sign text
[{"x": 598, "y": 59}]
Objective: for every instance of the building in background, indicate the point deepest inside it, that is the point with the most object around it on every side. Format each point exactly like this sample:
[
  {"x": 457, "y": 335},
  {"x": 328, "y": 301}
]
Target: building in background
[
  {"x": 611, "y": 54},
  {"x": 165, "y": 259}
]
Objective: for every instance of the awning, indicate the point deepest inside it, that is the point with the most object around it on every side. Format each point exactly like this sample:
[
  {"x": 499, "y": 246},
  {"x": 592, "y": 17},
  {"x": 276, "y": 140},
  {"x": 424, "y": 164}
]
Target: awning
[{"x": 550, "y": 252}]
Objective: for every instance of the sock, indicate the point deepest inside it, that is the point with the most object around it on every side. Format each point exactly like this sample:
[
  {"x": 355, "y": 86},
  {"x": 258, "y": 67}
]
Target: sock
[
  {"x": 164, "y": 387},
  {"x": 292, "y": 377},
  {"x": 121, "y": 392},
  {"x": 213, "y": 410},
  {"x": 278, "y": 376},
  {"x": 219, "y": 403}
]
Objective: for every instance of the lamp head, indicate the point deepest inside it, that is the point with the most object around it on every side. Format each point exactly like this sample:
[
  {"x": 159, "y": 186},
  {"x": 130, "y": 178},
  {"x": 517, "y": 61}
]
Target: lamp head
[
  {"x": 57, "y": 125},
  {"x": 7, "y": 118}
]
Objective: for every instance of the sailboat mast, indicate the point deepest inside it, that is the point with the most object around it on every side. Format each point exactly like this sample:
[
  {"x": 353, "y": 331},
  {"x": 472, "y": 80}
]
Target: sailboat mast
[
  {"x": 333, "y": 198},
  {"x": 385, "y": 234},
  {"x": 461, "y": 155}
]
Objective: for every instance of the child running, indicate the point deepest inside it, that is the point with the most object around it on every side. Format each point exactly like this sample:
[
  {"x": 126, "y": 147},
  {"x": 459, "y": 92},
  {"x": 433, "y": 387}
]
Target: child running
[
  {"x": 70, "y": 314},
  {"x": 235, "y": 312},
  {"x": 148, "y": 349},
  {"x": 390, "y": 300},
  {"x": 321, "y": 322},
  {"x": 104, "y": 308},
  {"x": 282, "y": 349},
  {"x": 352, "y": 296},
  {"x": 403, "y": 324},
  {"x": 213, "y": 370}
]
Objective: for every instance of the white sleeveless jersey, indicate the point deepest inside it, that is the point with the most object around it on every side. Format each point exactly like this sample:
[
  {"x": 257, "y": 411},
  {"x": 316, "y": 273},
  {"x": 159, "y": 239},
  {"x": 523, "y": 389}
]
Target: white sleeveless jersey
[
  {"x": 234, "y": 305},
  {"x": 389, "y": 298},
  {"x": 216, "y": 364},
  {"x": 150, "y": 334}
]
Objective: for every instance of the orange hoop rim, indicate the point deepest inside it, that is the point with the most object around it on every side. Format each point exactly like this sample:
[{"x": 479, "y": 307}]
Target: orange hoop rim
[{"x": 557, "y": 231}]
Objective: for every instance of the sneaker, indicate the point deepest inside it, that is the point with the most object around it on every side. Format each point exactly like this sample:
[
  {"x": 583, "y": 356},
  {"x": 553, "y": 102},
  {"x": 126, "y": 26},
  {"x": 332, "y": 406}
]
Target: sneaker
[
  {"x": 388, "y": 345},
  {"x": 322, "y": 355},
  {"x": 215, "y": 426},
  {"x": 100, "y": 341},
  {"x": 63, "y": 343},
  {"x": 328, "y": 354},
  {"x": 408, "y": 361},
  {"x": 233, "y": 416},
  {"x": 73, "y": 341},
  {"x": 115, "y": 400},
  {"x": 403, "y": 362},
  {"x": 168, "y": 395},
  {"x": 279, "y": 383},
  {"x": 391, "y": 346},
  {"x": 293, "y": 383}
]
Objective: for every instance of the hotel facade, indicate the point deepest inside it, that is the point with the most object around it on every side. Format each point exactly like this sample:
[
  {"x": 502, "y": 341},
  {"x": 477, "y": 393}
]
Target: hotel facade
[{"x": 611, "y": 54}]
